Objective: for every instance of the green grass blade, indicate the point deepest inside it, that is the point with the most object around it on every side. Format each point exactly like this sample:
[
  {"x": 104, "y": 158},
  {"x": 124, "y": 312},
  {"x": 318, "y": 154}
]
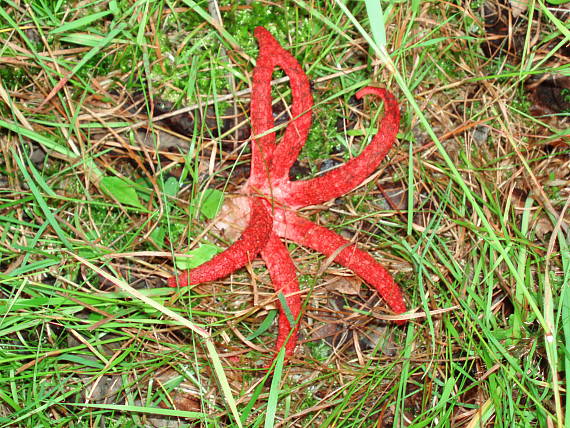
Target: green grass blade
[
  {"x": 377, "y": 22},
  {"x": 81, "y": 22},
  {"x": 223, "y": 380},
  {"x": 274, "y": 390},
  {"x": 42, "y": 203}
]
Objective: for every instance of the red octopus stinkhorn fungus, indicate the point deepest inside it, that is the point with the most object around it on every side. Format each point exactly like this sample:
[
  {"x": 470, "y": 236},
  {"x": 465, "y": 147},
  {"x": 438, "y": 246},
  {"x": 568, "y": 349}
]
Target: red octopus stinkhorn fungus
[{"x": 274, "y": 199}]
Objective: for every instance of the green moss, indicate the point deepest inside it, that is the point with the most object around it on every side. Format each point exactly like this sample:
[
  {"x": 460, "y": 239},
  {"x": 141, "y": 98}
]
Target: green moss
[
  {"x": 521, "y": 102},
  {"x": 12, "y": 78},
  {"x": 321, "y": 141},
  {"x": 306, "y": 281},
  {"x": 319, "y": 349}
]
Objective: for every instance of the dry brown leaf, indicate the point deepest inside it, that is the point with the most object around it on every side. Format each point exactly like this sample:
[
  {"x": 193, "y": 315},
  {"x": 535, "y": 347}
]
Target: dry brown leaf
[
  {"x": 518, "y": 7},
  {"x": 349, "y": 285},
  {"x": 542, "y": 227}
]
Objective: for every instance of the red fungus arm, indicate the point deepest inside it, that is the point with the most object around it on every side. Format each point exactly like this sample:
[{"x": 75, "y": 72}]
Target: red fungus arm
[
  {"x": 284, "y": 278},
  {"x": 327, "y": 242},
  {"x": 342, "y": 180},
  {"x": 237, "y": 255},
  {"x": 266, "y": 155}
]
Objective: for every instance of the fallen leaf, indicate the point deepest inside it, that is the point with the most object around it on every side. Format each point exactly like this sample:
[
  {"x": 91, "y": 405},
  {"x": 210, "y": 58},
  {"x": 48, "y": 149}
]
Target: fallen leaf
[
  {"x": 231, "y": 222},
  {"x": 349, "y": 285},
  {"x": 518, "y": 7}
]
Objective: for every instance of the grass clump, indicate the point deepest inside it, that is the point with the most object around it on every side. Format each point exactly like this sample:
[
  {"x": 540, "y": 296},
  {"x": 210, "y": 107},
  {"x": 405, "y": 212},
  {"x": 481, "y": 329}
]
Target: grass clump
[{"x": 469, "y": 212}]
